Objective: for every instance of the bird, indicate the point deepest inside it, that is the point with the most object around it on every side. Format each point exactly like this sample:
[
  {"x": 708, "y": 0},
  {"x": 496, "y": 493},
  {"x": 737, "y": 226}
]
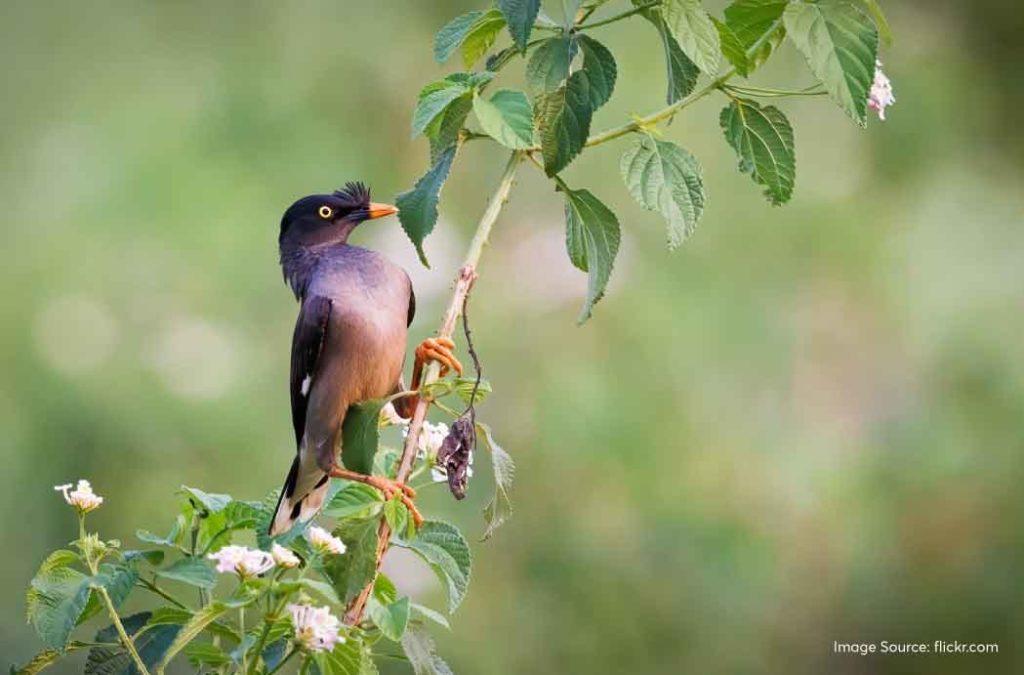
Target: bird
[{"x": 349, "y": 343}]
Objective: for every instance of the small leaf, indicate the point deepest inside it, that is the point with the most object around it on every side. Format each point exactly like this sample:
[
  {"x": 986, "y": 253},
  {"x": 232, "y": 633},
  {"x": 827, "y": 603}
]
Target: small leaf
[
  {"x": 840, "y": 44},
  {"x": 348, "y": 573},
  {"x": 213, "y": 503},
  {"x": 444, "y": 548},
  {"x": 321, "y": 589},
  {"x": 192, "y": 571},
  {"x": 599, "y": 64},
  {"x": 592, "y": 240},
  {"x": 354, "y": 499},
  {"x": 206, "y": 653},
  {"x": 433, "y": 104},
  {"x": 520, "y": 15},
  {"x": 563, "y": 120},
  {"x": 360, "y": 435},
  {"x": 681, "y": 72},
  {"x": 665, "y": 178},
  {"x": 481, "y": 37},
  {"x": 423, "y": 612},
  {"x": 395, "y": 514},
  {"x": 151, "y": 645},
  {"x": 499, "y": 509},
  {"x": 453, "y": 34},
  {"x": 750, "y": 23},
  {"x": 443, "y": 132},
  {"x": 392, "y": 619},
  {"x": 419, "y": 649},
  {"x": 418, "y": 206},
  {"x": 549, "y": 64},
  {"x": 56, "y": 598},
  {"x": 763, "y": 141},
  {"x": 152, "y": 557},
  {"x": 347, "y": 658},
  {"x": 464, "y": 388},
  {"x": 191, "y": 630},
  {"x": 693, "y": 30},
  {"x": 507, "y": 117}
]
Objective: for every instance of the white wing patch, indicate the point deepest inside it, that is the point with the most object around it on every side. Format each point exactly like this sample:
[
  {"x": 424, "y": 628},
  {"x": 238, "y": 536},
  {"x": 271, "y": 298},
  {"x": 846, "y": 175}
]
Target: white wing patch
[{"x": 305, "y": 385}]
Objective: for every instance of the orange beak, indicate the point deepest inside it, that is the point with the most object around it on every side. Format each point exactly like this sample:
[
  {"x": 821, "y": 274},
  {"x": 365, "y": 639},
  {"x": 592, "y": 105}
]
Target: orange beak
[{"x": 380, "y": 210}]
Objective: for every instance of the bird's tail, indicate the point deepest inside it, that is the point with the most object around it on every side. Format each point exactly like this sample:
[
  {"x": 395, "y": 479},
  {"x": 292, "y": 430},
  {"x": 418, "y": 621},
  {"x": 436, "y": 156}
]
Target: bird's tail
[{"x": 302, "y": 496}]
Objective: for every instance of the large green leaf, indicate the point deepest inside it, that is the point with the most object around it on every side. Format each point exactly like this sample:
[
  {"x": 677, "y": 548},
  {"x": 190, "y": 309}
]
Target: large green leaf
[
  {"x": 763, "y": 141},
  {"x": 444, "y": 548},
  {"x": 419, "y": 649},
  {"x": 56, "y": 598},
  {"x": 151, "y": 644},
  {"x": 352, "y": 500},
  {"x": 499, "y": 509},
  {"x": 752, "y": 29},
  {"x": 507, "y": 117},
  {"x": 549, "y": 64},
  {"x": 391, "y": 618},
  {"x": 664, "y": 177},
  {"x": 563, "y": 120},
  {"x": 192, "y": 571},
  {"x": 694, "y": 31},
  {"x": 840, "y": 44},
  {"x": 360, "y": 434},
  {"x": 599, "y": 64},
  {"x": 474, "y": 32},
  {"x": 453, "y": 34},
  {"x": 681, "y": 73},
  {"x": 520, "y": 15},
  {"x": 350, "y": 572},
  {"x": 347, "y": 658},
  {"x": 592, "y": 239},
  {"x": 191, "y": 630},
  {"x": 418, "y": 206},
  {"x": 875, "y": 10}
]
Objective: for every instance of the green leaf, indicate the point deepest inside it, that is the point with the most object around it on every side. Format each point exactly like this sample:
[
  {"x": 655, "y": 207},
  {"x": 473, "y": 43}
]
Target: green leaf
[
  {"x": 192, "y": 571},
  {"x": 453, "y": 34},
  {"x": 191, "y": 630},
  {"x": 592, "y": 240},
  {"x": 153, "y": 557},
  {"x": 360, "y": 435},
  {"x": 395, "y": 514},
  {"x": 840, "y": 44},
  {"x": 464, "y": 386},
  {"x": 350, "y": 572},
  {"x": 206, "y": 653},
  {"x": 681, "y": 72},
  {"x": 520, "y": 15},
  {"x": 499, "y": 509},
  {"x": 872, "y": 7},
  {"x": 444, "y": 548},
  {"x": 392, "y": 618},
  {"x": 549, "y": 64},
  {"x": 563, "y": 120},
  {"x": 45, "y": 659},
  {"x": 443, "y": 132},
  {"x": 169, "y": 616},
  {"x": 763, "y": 141},
  {"x": 507, "y": 117},
  {"x": 151, "y": 644},
  {"x": 213, "y": 503},
  {"x": 665, "y": 178},
  {"x": 599, "y": 64},
  {"x": 433, "y": 104},
  {"x": 693, "y": 30},
  {"x": 419, "y": 648},
  {"x": 56, "y": 598},
  {"x": 354, "y": 499},
  {"x": 481, "y": 37},
  {"x": 752, "y": 30},
  {"x": 423, "y": 612},
  {"x": 347, "y": 658},
  {"x": 119, "y": 582},
  {"x": 418, "y": 206}
]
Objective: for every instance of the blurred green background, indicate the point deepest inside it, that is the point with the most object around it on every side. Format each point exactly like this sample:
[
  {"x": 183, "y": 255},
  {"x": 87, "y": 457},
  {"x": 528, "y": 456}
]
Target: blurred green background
[{"x": 804, "y": 426}]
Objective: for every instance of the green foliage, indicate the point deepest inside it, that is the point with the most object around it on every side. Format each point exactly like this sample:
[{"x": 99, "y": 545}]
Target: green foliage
[
  {"x": 473, "y": 32},
  {"x": 763, "y": 141},
  {"x": 360, "y": 435},
  {"x": 192, "y": 571},
  {"x": 355, "y": 499},
  {"x": 599, "y": 65},
  {"x": 753, "y": 26},
  {"x": 444, "y": 548},
  {"x": 419, "y": 649},
  {"x": 694, "y": 31},
  {"x": 507, "y": 117},
  {"x": 563, "y": 120},
  {"x": 520, "y": 15},
  {"x": 499, "y": 509},
  {"x": 56, "y": 598},
  {"x": 549, "y": 64},
  {"x": 592, "y": 238},
  {"x": 418, "y": 206}
]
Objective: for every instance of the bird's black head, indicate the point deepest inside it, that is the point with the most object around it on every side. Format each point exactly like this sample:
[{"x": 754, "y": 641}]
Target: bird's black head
[{"x": 322, "y": 219}]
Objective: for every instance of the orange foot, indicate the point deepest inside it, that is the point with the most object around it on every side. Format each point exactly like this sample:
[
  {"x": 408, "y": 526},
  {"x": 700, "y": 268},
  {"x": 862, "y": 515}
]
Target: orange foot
[
  {"x": 388, "y": 487},
  {"x": 440, "y": 350}
]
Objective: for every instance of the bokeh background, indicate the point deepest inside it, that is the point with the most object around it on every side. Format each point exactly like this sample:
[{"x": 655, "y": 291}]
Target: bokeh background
[{"x": 804, "y": 426}]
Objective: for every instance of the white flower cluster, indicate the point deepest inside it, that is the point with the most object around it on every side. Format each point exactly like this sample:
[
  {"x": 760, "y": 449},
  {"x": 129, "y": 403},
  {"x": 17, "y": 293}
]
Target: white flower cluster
[
  {"x": 391, "y": 417},
  {"x": 881, "y": 96},
  {"x": 82, "y": 497},
  {"x": 283, "y": 557},
  {"x": 323, "y": 542},
  {"x": 244, "y": 561},
  {"x": 430, "y": 440},
  {"x": 316, "y": 628}
]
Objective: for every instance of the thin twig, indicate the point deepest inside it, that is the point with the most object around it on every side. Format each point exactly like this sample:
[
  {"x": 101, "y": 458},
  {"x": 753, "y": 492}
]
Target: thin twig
[
  {"x": 619, "y": 17},
  {"x": 121, "y": 632}
]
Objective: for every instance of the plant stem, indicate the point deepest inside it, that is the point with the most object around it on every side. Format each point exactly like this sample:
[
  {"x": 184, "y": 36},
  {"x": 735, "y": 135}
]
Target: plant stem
[
  {"x": 283, "y": 661},
  {"x": 125, "y": 640},
  {"x": 463, "y": 282},
  {"x": 153, "y": 588},
  {"x": 619, "y": 17},
  {"x": 241, "y": 631}
]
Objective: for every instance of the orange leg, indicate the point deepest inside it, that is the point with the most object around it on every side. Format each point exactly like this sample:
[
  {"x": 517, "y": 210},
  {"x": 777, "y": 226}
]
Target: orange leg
[
  {"x": 388, "y": 487},
  {"x": 431, "y": 349}
]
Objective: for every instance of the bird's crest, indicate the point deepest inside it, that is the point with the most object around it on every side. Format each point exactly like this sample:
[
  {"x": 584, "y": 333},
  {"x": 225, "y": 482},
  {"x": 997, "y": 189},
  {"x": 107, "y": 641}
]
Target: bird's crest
[{"x": 355, "y": 195}]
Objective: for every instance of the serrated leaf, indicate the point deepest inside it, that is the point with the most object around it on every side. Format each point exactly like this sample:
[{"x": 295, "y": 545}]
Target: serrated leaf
[
  {"x": 392, "y": 619},
  {"x": 211, "y": 502},
  {"x": 549, "y": 64},
  {"x": 192, "y": 571},
  {"x": 45, "y": 659},
  {"x": 56, "y": 598},
  {"x": 563, "y": 120},
  {"x": 206, "y": 653},
  {"x": 481, "y": 37},
  {"x": 840, "y": 44},
  {"x": 499, "y": 509},
  {"x": 592, "y": 240},
  {"x": 693, "y": 30},
  {"x": 453, "y": 34},
  {"x": 360, "y": 435},
  {"x": 395, "y": 514},
  {"x": 151, "y": 644},
  {"x": 507, "y": 117},
  {"x": 665, "y": 178},
  {"x": 418, "y": 206},
  {"x": 757, "y": 27},
  {"x": 763, "y": 141},
  {"x": 875, "y": 10},
  {"x": 599, "y": 64},
  {"x": 520, "y": 15},
  {"x": 444, "y": 548},
  {"x": 347, "y": 658},
  {"x": 350, "y": 572},
  {"x": 443, "y": 132},
  {"x": 419, "y": 649},
  {"x": 151, "y": 557},
  {"x": 354, "y": 499},
  {"x": 464, "y": 386},
  {"x": 433, "y": 104},
  {"x": 191, "y": 630},
  {"x": 681, "y": 73}
]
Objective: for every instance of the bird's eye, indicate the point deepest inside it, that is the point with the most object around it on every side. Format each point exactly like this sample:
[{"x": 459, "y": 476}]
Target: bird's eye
[{"x": 326, "y": 212}]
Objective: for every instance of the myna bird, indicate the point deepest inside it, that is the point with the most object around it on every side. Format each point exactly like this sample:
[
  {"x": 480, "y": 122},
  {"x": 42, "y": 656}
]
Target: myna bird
[{"x": 349, "y": 342}]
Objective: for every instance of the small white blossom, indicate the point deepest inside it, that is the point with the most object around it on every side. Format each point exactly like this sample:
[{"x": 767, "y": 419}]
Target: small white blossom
[
  {"x": 881, "y": 95},
  {"x": 430, "y": 440},
  {"x": 323, "y": 541},
  {"x": 82, "y": 497},
  {"x": 243, "y": 561},
  {"x": 391, "y": 416},
  {"x": 283, "y": 557},
  {"x": 316, "y": 628},
  {"x": 439, "y": 474}
]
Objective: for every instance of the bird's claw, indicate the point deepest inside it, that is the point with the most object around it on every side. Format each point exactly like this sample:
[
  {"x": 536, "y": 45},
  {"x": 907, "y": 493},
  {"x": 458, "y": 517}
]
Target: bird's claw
[
  {"x": 440, "y": 350},
  {"x": 389, "y": 488}
]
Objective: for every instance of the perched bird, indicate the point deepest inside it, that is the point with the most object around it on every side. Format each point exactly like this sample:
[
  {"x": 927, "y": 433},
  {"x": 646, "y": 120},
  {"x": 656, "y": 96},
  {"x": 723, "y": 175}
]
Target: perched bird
[{"x": 349, "y": 341}]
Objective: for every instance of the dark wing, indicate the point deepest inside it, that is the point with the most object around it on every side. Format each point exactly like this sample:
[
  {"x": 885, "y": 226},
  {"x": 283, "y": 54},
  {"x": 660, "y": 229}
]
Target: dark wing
[
  {"x": 307, "y": 343},
  {"x": 412, "y": 307}
]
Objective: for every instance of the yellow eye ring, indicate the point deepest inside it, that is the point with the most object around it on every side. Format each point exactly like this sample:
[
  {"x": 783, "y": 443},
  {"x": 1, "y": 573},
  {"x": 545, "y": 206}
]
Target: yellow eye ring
[{"x": 326, "y": 212}]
